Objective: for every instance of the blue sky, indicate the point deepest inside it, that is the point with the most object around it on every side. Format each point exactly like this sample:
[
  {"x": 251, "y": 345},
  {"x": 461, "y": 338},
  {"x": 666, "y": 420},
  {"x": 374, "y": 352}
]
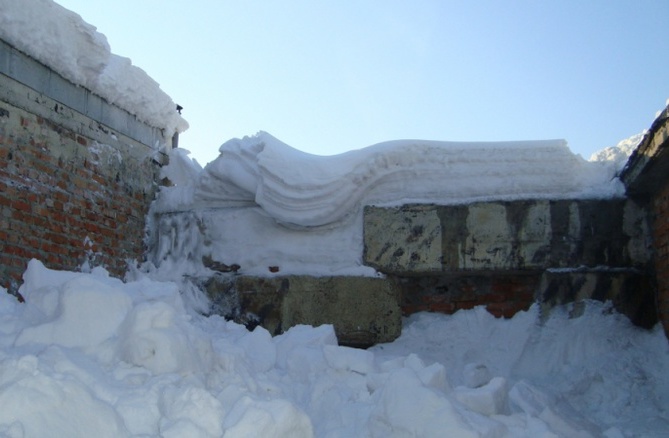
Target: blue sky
[{"x": 330, "y": 76}]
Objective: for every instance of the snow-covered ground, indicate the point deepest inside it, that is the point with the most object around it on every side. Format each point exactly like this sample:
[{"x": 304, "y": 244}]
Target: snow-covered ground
[{"x": 89, "y": 355}]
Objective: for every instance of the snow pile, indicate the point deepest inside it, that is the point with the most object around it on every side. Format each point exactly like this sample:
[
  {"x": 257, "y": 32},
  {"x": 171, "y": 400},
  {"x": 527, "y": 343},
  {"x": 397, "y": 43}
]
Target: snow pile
[
  {"x": 301, "y": 189},
  {"x": 89, "y": 355},
  {"x": 254, "y": 241},
  {"x": 61, "y": 40}
]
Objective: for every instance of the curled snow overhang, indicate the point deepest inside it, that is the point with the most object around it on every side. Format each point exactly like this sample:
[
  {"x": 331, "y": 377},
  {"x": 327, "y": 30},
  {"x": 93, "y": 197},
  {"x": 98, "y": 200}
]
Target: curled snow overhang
[
  {"x": 648, "y": 166},
  {"x": 301, "y": 189}
]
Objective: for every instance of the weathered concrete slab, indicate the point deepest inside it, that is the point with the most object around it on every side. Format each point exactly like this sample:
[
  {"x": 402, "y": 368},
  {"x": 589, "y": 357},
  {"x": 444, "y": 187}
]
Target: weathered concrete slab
[
  {"x": 411, "y": 238},
  {"x": 363, "y": 310},
  {"x": 505, "y": 236}
]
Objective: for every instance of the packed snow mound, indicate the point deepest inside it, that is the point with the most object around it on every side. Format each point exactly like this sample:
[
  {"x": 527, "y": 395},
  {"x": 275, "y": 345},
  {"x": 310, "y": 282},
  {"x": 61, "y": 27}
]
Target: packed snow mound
[
  {"x": 301, "y": 189},
  {"x": 89, "y": 355},
  {"x": 62, "y": 40}
]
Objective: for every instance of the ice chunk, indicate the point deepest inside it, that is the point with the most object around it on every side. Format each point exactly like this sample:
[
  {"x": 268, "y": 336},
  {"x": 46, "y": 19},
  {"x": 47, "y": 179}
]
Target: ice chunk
[
  {"x": 490, "y": 399},
  {"x": 406, "y": 408},
  {"x": 274, "y": 418},
  {"x": 434, "y": 376},
  {"x": 259, "y": 349},
  {"x": 349, "y": 359},
  {"x": 475, "y": 375},
  {"x": 191, "y": 409},
  {"x": 153, "y": 337},
  {"x": 34, "y": 402},
  {"x": 303, "y": 335},
  {"x": 86, "y": 312},
  {"x": 548, "y": 409}
]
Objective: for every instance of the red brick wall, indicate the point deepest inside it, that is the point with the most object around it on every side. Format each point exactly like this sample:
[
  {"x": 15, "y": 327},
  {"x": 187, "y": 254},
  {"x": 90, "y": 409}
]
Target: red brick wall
[
  {"x": 66, "y": 198},
  {"x": 661, "y": 243},
  {"x": 503, "y": 295}
]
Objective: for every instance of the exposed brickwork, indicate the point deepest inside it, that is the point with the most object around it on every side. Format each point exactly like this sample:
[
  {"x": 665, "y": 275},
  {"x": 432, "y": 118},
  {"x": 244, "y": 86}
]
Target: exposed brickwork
[
  {"x": 66, "y": 198},
  {"x": 661, "y": 242},
  {"x": 503, "y": 294}
]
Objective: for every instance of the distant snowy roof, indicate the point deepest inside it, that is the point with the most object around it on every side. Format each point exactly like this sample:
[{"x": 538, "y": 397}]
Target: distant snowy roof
[{"x": 62, "y": 40}]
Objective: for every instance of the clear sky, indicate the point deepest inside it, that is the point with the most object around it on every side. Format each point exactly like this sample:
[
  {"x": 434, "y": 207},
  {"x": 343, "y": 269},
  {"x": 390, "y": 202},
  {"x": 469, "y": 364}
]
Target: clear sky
[{"x": 330, "y": 76}]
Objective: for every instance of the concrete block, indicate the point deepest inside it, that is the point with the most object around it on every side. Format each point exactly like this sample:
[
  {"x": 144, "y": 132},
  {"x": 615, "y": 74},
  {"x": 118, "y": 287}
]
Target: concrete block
[
  {"x": 364, "y": 310},
  {"x": 489, "y": 241},
  {"x": 505, "y": 236},
  {"x": 404, "y": 239}
]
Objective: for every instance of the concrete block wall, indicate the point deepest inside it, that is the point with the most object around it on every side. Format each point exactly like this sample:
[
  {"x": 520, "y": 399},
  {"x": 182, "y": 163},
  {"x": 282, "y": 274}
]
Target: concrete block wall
[
  {"x": 73, "y": 188},
  {"x": 505, "y": 236},
  {"x": 363, "y": 310},
  {"x": 504, "y": 256},
  {"x": 508, "y": 255}
]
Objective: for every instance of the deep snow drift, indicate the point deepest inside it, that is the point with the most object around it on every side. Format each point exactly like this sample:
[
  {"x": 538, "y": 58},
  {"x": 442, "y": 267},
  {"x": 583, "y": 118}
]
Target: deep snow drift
[
  {"x": 88, "y": 355},
  {"x": 62, "y": 40}
]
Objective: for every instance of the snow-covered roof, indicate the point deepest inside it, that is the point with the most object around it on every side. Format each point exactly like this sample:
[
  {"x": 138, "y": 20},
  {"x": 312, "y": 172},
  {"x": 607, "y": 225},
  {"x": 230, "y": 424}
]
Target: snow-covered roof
[{"x": 63, "y": 41}]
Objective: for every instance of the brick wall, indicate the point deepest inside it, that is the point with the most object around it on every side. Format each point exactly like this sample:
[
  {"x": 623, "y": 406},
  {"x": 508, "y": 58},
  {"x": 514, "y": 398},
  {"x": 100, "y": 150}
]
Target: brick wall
[
  {"x": 661, "y": 243},
  {"x": 503, "y": 294},
  {"x": 77, "y": 174},
  {"x": 66, "y": 198}
]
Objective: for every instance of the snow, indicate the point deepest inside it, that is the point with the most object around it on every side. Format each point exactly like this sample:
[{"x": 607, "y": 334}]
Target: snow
[
  {"x": 620, "y": 153},
  {"x": 90, "y": 355},
  {"x": 63, "y": 41},
  {"x": 263, "y": 203},
  {"x": 301, "y": 189}
]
